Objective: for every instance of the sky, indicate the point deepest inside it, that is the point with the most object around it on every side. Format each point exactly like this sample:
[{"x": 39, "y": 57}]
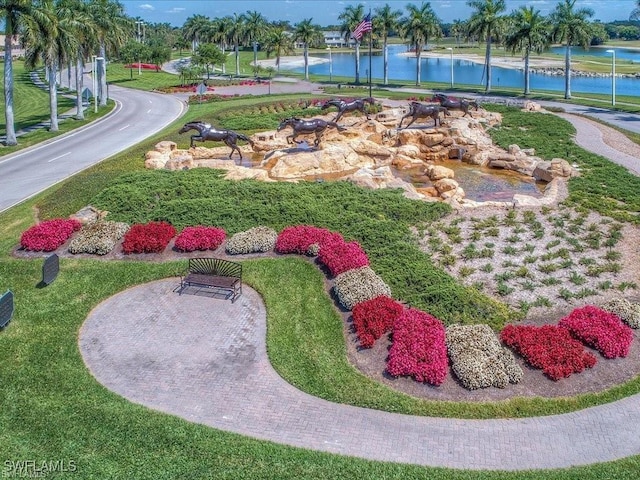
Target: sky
[{"x": 326, "y": 12}]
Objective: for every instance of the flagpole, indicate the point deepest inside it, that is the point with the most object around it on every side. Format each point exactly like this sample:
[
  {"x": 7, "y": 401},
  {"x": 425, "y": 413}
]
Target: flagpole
[{"x": 370, "y": 42}]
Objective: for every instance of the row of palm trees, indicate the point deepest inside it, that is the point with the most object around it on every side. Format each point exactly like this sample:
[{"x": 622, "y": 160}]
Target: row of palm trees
[
  {"x": 525, "y": 30},
  {"x": 58, "y": 34}
]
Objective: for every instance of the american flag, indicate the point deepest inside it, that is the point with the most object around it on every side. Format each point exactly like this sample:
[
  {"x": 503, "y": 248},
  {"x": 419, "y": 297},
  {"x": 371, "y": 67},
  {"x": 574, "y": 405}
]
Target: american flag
[{"x": 363, "y": 27}]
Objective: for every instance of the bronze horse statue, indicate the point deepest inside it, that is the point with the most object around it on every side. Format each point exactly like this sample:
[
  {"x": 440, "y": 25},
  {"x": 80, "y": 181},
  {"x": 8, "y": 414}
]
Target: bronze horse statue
[
  {"x": 343, "y": 107},
  {"x": 313, "y": 125},
  {"x": 455, "y": 104},
  {"x": 420, "y": 110},
  {"x": 207, "y": 132}
]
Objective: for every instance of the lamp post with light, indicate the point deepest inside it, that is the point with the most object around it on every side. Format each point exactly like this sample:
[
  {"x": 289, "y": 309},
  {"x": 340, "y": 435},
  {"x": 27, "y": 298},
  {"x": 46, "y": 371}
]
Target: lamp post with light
[
  {"x": 330, "y": 65},
  {"x": 95, "y": 83},
  {"x": 451, "y": 52},
  {"x": 139, "y": 24},
  {"x": 613, "y": 76}
]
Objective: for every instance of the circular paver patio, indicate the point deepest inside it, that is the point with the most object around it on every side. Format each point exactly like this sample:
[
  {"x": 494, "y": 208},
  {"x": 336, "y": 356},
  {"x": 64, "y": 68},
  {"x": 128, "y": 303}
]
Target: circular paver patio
[{"x": 204, "y": 359}]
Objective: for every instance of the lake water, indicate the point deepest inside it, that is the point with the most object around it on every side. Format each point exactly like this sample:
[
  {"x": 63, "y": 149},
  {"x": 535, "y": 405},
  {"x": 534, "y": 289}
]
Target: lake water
[{"x": 465, "y": 72}]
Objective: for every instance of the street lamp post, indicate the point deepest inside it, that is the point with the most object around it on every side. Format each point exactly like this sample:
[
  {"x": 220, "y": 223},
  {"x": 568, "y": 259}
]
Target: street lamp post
[
  {"x": 95, "y": 83},
  {"x": 613, "y": 76},
  {"x": 330, "y": 65},
  {"x": 139, "y": 24},
  {"x": 451, "y": 52}
]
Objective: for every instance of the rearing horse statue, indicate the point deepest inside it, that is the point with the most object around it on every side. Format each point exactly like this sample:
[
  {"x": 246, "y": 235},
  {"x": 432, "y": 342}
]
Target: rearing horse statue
[
  {"x": 358, "y": 104},
  {"x": 420, "y": 110},
  {"x": 313, "y": 125},
  {"x": 455, "y": 104},
  {"x": 207, "y": 132}
]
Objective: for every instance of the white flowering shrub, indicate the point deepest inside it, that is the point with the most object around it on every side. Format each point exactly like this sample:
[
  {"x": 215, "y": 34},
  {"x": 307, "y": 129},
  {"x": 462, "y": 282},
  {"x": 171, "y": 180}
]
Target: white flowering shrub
[
  {"x": 254, "y": 240},
  {"x": 358, "y": 285},
  {"x": 98, "y": 238},
  {"x": 628, "y": 312},
  {"x": 478, "y": 359}
]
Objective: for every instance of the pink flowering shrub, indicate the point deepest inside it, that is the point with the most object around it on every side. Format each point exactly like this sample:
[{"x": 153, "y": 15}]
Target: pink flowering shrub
[
  {"x": 199, "y": 238},
  {"x": 373, "y": 318},
  {"x": 550, "y": 348},
  {"x": 599, "y": 329},
  {"x": 339, "y": 256},
  {"x": 300, "y": 238},
  {"x": 419, "y": 348},
  {"x": 152, "y": 237},
  {"x": 49, "y": 235}
]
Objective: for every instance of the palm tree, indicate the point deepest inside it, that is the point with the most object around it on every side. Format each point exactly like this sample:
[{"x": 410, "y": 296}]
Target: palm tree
[
  {"x": 54, "y": 42},
  {"x": 635, "y": 13},
  {"x": 351, "y": 17},
  {"x": 458, "y": 29},
  {"x": 386, "y": 20},
  {"x": 530, "y": 31},
  {"x": 112, "y": 27},
  {"x": 307, "y": 33},
  {"x": 278, "y": 41},
  {"x": 194, "y": 28},
  {"x": 218, "y": 32},
  {"x": 421, "y": 24},
  {"x": 571, "y": 27},
  {"x": 486, "y": 22},
  {"x": 14, "y": 13},
  {"x": 255, "y": 24},
  {"x": 237, "y": 34},
  {"x": 84, "y": 31}
]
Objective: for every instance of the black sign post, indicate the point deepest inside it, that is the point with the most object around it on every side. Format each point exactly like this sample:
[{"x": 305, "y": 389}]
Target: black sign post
[
  {"x": 50, "y": 269},
  {"x": 6, "y": 308}
]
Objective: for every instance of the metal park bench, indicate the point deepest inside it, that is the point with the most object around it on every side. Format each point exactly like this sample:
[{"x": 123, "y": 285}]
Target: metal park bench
[{"x": 215, "y": 273}]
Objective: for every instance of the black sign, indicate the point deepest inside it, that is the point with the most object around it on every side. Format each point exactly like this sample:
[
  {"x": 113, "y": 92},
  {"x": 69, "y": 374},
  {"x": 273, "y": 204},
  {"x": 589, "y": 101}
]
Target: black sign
[
  {"x": 6, "y": 308},
  {"x": 50, "y": 269}
]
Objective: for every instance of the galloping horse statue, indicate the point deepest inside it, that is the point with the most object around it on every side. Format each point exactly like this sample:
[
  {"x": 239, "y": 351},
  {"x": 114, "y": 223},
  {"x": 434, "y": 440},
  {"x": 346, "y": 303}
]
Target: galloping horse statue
[
  {"x": 207, "y": 132},
  {"x": 420, "y": 110},
  {"x": 455, "y": 104},
  {"x": 344, "y": 107},
  {"x": 314, "y": 125}
]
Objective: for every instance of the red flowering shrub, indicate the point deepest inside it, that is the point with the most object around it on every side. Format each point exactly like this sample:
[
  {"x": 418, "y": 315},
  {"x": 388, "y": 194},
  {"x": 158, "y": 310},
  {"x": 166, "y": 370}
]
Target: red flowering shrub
[
  {"x": 373, "y": 318},
  {"x": 199, "y": 238},
  {"x": 152, "y": 237},
  {"x": 339, "y": 256},
  {"x": 49, "y": 235},
  {"x": 299, "y": 238},
  {"x": 419, "y": 348},
  {"x": 550, "y": 348},
  {"x": 599, "y": 329}
]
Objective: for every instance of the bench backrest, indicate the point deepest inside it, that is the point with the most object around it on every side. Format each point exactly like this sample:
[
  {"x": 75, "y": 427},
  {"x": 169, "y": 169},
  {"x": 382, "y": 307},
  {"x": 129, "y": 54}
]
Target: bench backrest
[
  {"x": 6, "y": 308},
  {"x": 215, "y": 266}
]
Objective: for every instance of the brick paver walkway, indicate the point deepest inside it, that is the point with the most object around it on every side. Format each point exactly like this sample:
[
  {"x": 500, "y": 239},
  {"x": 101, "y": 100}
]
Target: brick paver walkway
[{"x": 204, "y": 359}]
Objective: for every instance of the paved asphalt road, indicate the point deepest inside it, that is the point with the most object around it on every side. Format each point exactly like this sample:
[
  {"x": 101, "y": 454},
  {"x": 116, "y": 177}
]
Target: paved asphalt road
[{"x": 137, "y": 115}]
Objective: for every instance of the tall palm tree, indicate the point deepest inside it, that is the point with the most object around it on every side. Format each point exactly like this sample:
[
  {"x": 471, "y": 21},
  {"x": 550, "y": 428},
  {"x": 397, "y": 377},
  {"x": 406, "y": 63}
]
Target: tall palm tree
[
  {"x": 84, "y": 31},
  {"x": 529, "y": 32},
  {"x": 486, "y": 22},
  {"x": 458, "y": 29},
  {"x": 307, "y": 33},
  {"x": 112, "y": 27},
  {"x": 386, "y": 20},
  {"x": 350, "y": 18},
  {"x": 255, "y": 24},
  {"x": 418, "y": 27},
  {"x": 194, "y": 28},
  {"x": 571, "y": 27},
  {"x": 219, "y": 33},
  {"x": 14, "y": 13},
  {"x": 278, "y": 41},
  {"x": 635, "y": 13},
  {"x": 237, "y": 34},
  {"x": 52, "y": 42}
]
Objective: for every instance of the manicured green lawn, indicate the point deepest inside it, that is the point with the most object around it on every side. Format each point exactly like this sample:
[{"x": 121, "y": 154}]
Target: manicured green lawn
[{"x": 52, "y": 408}]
